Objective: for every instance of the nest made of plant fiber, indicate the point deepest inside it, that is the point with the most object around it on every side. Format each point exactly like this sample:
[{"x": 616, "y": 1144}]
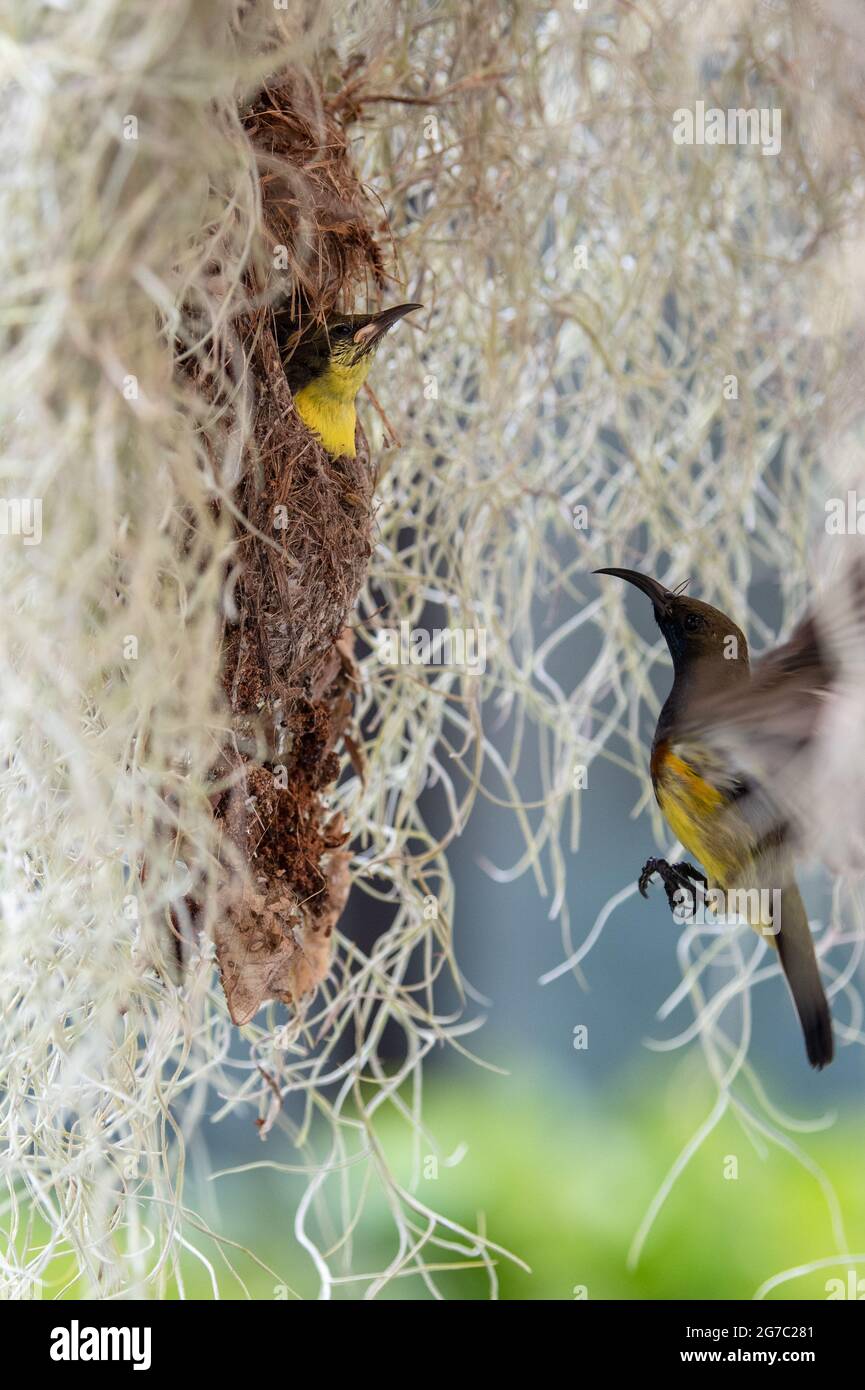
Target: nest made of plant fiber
[
  {"x": 274, "y": 940},
  {"x": 314, "y": 207},
  {"x": 308, "y": 541},
  {"x": 302, "y": 553}
]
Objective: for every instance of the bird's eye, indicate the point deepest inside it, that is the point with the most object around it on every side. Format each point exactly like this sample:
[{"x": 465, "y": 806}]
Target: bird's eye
[
  {"x": 341, "y": 330},
  {"x": 693, "y": 622}
]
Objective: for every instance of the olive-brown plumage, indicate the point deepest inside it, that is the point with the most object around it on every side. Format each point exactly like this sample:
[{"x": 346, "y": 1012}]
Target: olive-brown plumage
[{"x": 720, "y": 812}]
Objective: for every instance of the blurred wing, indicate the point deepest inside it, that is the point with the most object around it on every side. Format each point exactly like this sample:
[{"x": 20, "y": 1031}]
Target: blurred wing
[{"x": 793, "y": 737}]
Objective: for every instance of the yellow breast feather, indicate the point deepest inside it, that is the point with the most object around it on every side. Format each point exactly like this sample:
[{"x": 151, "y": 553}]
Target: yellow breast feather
[
  {"x": 700, "y": 816},
  {"x": 326, "y": 405}
]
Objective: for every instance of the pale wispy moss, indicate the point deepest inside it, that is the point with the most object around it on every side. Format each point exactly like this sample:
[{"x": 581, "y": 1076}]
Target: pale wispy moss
[{"x": 652, "y": 332}]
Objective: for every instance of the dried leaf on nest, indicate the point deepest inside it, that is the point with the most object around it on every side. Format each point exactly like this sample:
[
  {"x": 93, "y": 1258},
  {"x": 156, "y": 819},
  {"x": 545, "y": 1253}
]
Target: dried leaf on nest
[
  {"x": 273, "y": 940},
  {"x": 269, "y": 951}
]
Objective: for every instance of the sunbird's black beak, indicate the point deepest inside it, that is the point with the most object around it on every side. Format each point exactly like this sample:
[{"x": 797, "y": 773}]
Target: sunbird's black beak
[
  {"x": 378, "y": 324},
  {"x": 650, "y": 587}
]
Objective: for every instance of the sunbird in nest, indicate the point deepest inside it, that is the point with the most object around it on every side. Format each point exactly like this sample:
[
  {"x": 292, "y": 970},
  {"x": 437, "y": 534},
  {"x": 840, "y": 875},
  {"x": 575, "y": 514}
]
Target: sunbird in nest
[
  {"x": 722, "y": 728},
  {"x": 326, "y": 364}
]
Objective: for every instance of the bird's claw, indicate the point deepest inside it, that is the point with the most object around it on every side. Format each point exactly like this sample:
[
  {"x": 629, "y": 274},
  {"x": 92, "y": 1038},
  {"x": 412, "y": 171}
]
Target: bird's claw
[{"x": 674, "y": 877}]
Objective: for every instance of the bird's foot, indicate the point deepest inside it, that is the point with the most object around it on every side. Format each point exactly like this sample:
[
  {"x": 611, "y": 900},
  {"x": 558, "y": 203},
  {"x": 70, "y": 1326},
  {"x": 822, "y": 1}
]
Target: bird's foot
[{"x": 675, "y": 878}]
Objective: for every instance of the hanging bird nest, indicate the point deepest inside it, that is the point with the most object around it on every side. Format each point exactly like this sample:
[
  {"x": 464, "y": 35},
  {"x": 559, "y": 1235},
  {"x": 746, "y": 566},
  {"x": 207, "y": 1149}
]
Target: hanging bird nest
[{"x": 304, "y": 540}]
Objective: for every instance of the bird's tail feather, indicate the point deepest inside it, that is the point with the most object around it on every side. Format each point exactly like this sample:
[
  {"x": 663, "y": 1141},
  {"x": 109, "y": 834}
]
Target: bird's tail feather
[{"x": 799, "y": 963}]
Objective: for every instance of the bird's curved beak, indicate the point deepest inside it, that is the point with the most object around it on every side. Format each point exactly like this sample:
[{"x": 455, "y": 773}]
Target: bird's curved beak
[
  {"x": 650, "y": 587},
  {"x": 378, "y": 324}
]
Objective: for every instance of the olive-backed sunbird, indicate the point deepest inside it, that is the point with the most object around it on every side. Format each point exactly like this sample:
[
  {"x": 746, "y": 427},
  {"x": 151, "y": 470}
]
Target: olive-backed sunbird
[
  {"x": 327, "y": 363},
  {"x": 722, "y": 816}
]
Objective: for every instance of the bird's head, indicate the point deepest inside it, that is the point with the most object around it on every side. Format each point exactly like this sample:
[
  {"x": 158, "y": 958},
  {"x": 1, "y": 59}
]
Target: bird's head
[
  {"x": 327, "y": 363},
  {"x": 694, "y": 631}
]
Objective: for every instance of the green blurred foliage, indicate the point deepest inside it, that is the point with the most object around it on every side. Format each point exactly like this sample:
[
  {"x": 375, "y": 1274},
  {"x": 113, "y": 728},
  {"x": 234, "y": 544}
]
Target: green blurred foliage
[
  {"x": 564, "y": 1179},
  {"x": 562, "y": 1176}
]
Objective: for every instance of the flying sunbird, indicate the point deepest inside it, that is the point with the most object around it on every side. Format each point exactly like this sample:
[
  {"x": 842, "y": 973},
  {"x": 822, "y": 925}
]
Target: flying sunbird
[
  {"x": 326, "y": 364},
  {"x": 727, "y": 746}
]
